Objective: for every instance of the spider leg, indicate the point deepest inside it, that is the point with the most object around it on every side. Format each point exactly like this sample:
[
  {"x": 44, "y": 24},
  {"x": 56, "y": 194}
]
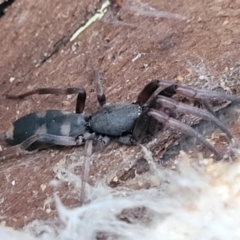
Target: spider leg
[
  {"x": 146, "y": 95},
  {"x": 188, "y": 109},
  {"x": 146, "y": 124},
  {"x": 175, "y": 124},
  {"x": 85, "y": 169},
  {"x": 208, "y": 106},
  {"x": 40, "y": 91},
  {"x": 145, "y": 127},
  {"x": 141, "y": 126},
  {"x": 206, "y": 94},
  {"x": 147, "y": 98},
  {"x": 100, "y": 142},
  {"x": 199, "y": 93},
  {"x": 81, "y": 98},
  {"x": 46, "y": 138},
  {"x": 99, "y": 89}
]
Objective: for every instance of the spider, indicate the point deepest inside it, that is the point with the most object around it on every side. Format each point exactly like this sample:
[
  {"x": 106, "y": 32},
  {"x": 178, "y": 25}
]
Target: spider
[{"x": 128, "y": 123}]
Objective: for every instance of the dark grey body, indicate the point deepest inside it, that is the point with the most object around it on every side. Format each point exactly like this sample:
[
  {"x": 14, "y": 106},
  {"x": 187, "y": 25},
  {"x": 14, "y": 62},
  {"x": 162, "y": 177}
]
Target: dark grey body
[
  {"x": 53, "y": 122},
  {"x": 115, "y": 120},
  {"x": 112, "y": 121}
]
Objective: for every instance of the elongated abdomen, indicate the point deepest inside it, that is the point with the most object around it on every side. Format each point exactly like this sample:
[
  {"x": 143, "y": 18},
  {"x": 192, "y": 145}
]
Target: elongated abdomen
[{"x": 51, "y": 121}]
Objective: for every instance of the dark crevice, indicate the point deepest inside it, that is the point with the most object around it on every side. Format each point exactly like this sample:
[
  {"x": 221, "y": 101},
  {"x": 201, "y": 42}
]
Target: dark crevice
[{"x": 4, "y": 5}]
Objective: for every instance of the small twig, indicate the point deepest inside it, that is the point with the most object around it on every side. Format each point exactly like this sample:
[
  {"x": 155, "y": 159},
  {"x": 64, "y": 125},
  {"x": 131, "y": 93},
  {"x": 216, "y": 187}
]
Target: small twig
[{"x": 98, "y": 14}]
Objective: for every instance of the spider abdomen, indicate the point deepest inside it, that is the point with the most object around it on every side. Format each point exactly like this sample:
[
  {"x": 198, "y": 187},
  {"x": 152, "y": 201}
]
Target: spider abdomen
[{"x": 53, "y": 122}]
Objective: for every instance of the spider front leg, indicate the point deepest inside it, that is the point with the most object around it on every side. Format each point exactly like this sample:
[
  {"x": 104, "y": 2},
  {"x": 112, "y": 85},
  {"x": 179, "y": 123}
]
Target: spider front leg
[
  {"x": 145, "y": 124},
  {"x": 81, "y": 98},
  {"x": 198, "y": 93},
  {"x": 175, "y": 124},
  {"x": 147, "y": 99},
  {"x": 188, "y": 109}
]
